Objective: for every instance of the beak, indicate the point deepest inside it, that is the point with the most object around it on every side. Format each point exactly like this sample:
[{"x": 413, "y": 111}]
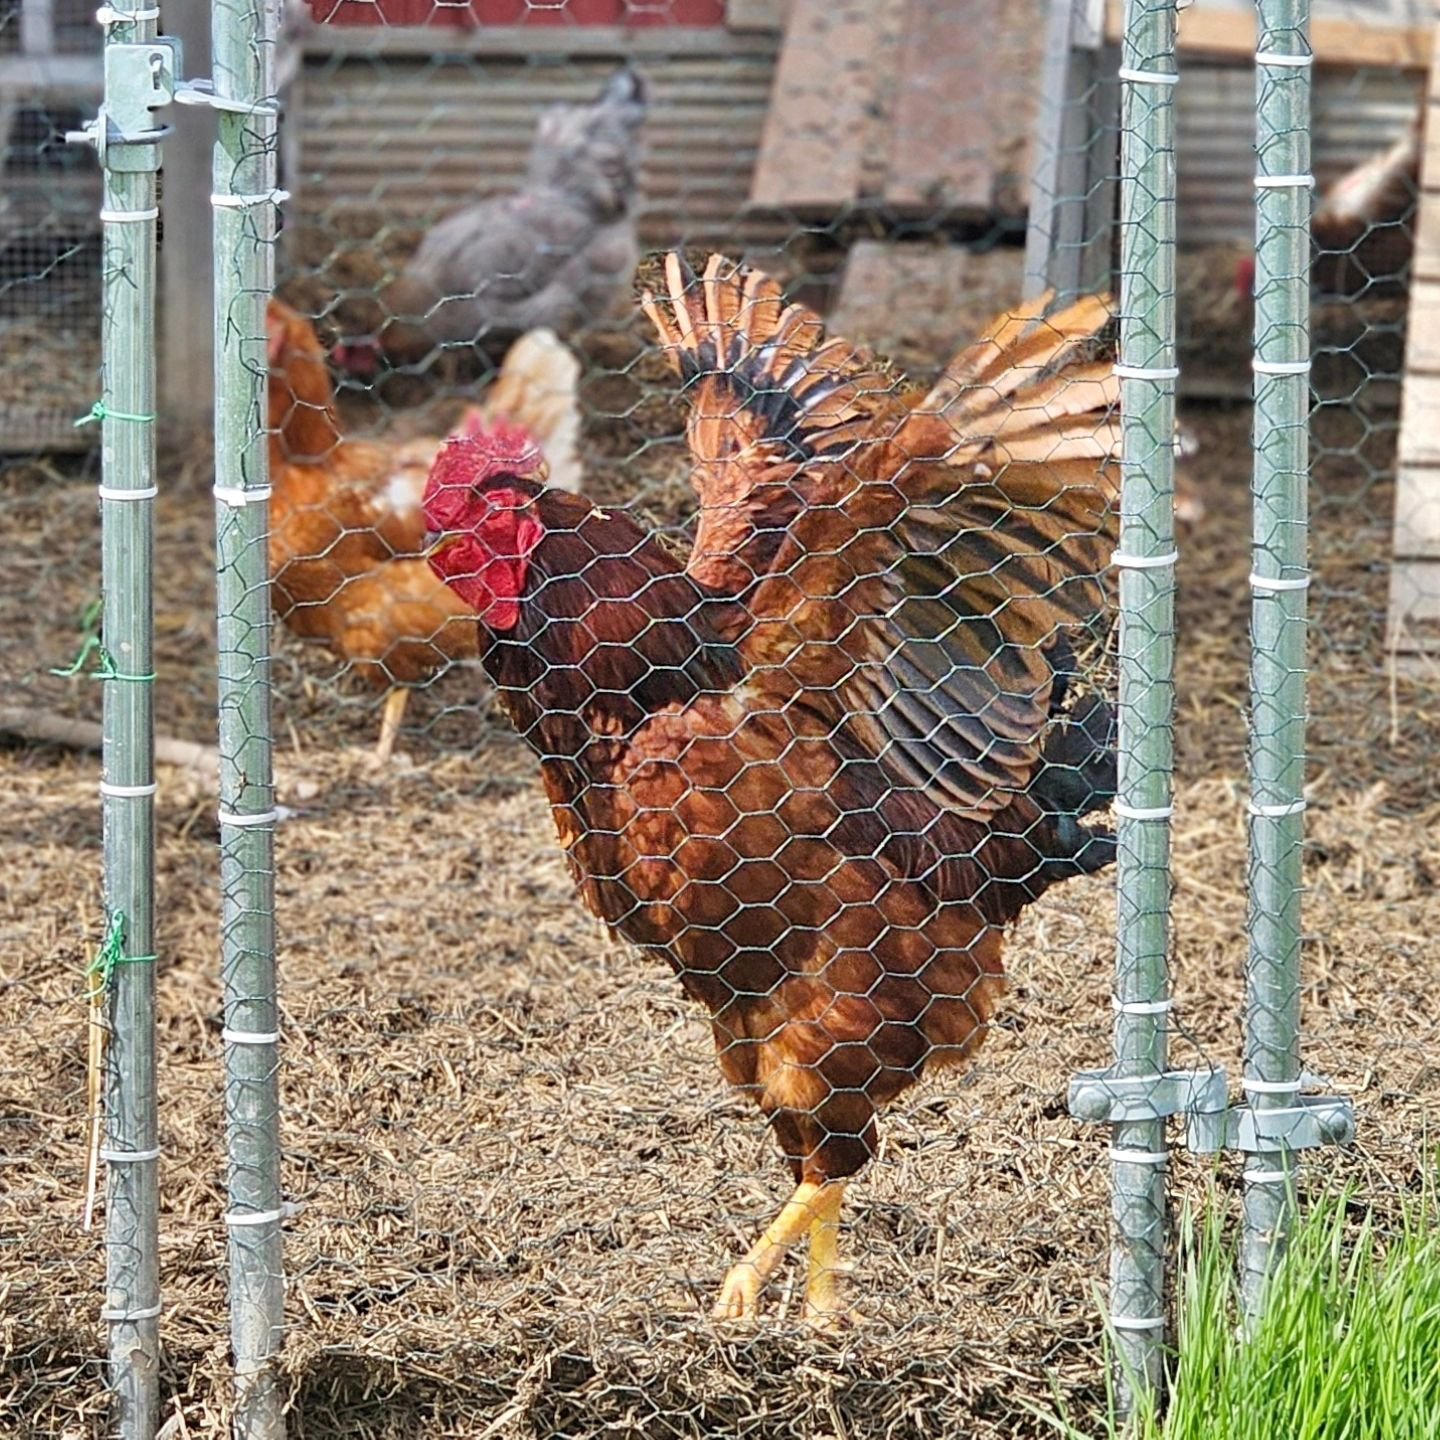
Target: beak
[{"x": 435, "y": 542}]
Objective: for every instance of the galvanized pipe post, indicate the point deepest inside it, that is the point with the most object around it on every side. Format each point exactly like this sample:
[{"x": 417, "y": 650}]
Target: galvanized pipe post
[
  {"x": 1146, "y": 561},
  {"x": 1278, "y": 581},
  {"x": 246, "y": 220},
  {"x": 139, "y": 76}
]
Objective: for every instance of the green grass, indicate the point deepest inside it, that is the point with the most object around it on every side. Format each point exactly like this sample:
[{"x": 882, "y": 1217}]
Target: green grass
[{"x": 1348, "y": 1348}]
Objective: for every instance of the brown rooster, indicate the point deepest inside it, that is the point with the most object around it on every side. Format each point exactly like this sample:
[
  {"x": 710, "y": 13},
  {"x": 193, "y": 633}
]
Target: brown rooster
[
  {"x": 346, "y": 527},
  {"x": 820, "y": 770}
]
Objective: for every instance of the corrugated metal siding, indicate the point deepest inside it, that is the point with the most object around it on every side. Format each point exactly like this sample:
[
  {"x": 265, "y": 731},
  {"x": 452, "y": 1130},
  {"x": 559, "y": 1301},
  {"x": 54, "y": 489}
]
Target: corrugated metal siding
[
  {"x": 412, "y": 138},
  {"x": 1355, "y": 114},
  {"x": 416, "y": 138}
]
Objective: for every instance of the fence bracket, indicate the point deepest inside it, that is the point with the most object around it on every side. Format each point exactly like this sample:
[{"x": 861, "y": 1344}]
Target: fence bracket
[
  {"x": 1201, "y": 1096},
  {"x": 1312, "y": 1121},
  {"x": 139, "y": 79}
]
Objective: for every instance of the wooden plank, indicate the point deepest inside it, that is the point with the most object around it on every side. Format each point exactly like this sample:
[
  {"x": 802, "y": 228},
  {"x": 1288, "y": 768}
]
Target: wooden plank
[
  {"x": 812, "y": 151},
  {"x": 1219, "y": 33},
  {"x": 940, "y": 150},
  {"x": 1417, "y": 511},
  {"x": 1414, "y": 620},
  {"x": 1420, "y": 434},
  {"x": 764, "y": 15},
  {"x": 1414, "y": 637}
]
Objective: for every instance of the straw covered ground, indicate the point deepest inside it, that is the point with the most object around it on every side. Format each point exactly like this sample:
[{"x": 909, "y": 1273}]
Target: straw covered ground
[{"x": 517, "y": 1177}]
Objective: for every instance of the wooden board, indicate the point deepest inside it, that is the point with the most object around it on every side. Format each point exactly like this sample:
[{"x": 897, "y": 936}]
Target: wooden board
[
  {"x": 822, "y": 107},
  {"x": 1415, "y": 574},
  {"x": 941, "y": 132},
  {"x": 1224, "y": 33}
]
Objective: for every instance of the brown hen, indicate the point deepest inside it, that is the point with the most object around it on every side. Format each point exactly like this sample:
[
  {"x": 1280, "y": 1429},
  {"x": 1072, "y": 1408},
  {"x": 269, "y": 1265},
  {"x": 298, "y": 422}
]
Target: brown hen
[{"x": 347, "y": 533}]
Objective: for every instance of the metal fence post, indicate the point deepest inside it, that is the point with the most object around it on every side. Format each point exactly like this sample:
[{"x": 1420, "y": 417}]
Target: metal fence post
[
  {"x": 1147, "y": 658},
  {"x": 139, "y": 77},
  {"x": 1137, "y": 1093},
  {"x": 246, "y": 220},
  {"x": 1275, "y": 1121}
]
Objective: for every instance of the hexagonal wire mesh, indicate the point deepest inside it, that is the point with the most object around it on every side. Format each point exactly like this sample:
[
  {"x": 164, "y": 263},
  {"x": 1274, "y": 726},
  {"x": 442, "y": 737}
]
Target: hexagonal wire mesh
[{"x": 504, "y": 1133}]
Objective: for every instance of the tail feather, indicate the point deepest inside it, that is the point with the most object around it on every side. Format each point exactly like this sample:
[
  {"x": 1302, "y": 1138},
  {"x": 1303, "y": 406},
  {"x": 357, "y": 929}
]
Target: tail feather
[{"x": 763, "y": 368}]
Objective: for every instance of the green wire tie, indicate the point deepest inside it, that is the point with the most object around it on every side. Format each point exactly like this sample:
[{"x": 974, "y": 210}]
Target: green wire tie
[
  {"x": 110, "y": 954},
  {"x": 101, "y": 411},
  {"x": 104, "y": 669}
]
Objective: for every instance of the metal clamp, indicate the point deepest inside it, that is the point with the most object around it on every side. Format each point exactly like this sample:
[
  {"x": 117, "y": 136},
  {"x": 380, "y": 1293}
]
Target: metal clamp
[
  {"x": 202, "y": 92},
  {"x": 1310, "y": 1122},
  {"x": 1103, "y": 1098},
  {"x": 139, "y": 78}
]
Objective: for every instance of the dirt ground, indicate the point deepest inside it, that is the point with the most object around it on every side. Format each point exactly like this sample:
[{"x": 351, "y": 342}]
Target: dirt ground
[{"x": 517, "y": 1176}]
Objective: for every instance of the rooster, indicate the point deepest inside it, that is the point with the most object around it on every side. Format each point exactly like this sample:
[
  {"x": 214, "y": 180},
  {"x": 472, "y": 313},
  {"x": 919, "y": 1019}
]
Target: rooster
[
  {"x": 346, "y": 530},
  {"x": 822, "y": 767},
  {"x": 560, "y": 252}
]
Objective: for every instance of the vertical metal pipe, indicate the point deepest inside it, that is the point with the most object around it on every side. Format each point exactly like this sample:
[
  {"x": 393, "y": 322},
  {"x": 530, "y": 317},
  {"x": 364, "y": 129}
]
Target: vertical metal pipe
[
  {"x": 1278, "y": 614},
  {"x": 1146, "y": 660},
  {"x": 126, "y": 412},
  {"x": 245, "y": 225}
]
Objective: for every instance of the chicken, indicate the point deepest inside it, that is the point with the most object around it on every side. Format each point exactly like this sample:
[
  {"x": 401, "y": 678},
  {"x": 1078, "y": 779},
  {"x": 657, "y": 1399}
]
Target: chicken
[
  {"x": 558, "y": 253},
  {"x": 820, "y": 768},
  {"x": 1360, "y": 240},
  {"x": 346, "y": 527}
]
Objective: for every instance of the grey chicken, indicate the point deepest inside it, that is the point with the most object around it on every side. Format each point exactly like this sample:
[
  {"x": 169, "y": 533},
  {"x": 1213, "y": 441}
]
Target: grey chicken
[{"x": 557, "y": 253}]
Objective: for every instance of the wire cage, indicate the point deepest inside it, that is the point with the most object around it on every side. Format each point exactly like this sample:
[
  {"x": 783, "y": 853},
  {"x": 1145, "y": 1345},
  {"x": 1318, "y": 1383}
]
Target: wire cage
[{"x": 481, "y": 1137}]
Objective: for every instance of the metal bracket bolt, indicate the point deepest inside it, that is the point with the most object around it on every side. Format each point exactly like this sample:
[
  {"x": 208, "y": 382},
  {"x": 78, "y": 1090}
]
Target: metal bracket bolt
[
  {"x": 139, "y": 79},
  {"x": 1201, "y": 1096}
]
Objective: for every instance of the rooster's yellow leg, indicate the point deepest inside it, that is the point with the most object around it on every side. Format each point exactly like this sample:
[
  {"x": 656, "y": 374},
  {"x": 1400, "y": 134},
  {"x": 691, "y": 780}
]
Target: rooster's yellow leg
[
  {"x": 394, "y": 713},
  {"x": 824, "y": 1305},
  {"x": 740, "y": 1294}
]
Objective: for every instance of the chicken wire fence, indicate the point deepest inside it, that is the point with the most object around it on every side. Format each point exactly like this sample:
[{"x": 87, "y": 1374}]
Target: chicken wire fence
[{"x": 511, "y": 1183}]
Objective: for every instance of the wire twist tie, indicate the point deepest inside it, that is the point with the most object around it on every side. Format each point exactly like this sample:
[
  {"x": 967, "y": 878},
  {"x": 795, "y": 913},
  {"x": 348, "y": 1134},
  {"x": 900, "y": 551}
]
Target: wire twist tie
[
  {"x": 1148, "y": 77},
  {"x": 1284, "y": 182},
  {"x": 1127, "y": 561},
  {"x": 101, "y": 411},
  {"x": 264, "y": 817},
  {"x": 1137, "y": 1322},
  {"x": 254, "y": 1217},
  {"x": 105, "y": 666},
  {"x": 119, "y": 1317},
  {"x": 127, "y": 792},
  {"x": 1275, "y": 812},
  {"x": 1141, "y": 812},
  {"x": 1280, "y": 367},
  {"x": 250, "y": 1037},
  {"x": 1140, "y": 1007},
  {"x": 237, "y": 495},
  {"x": 109, "y": 492},
  {"x": 245, "y": 202},
  {"x": 1139, "y": 1157},
  {"x": 1145, "y": 372},
  {"x": 1290, "y": 62},
  {"x": 108, "y": 15},
  {"x": 1272, "y": 582},
  {"x": 129, "y": 217},
  {"x": 122, "y": 1157}
]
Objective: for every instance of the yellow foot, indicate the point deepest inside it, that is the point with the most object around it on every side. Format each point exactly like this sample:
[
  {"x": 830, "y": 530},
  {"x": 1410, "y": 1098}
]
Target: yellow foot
[
  {"x": 740, "y": 1294},
  {"x": 825, "y": 1308},
  {"x": 394, "y": 714}
]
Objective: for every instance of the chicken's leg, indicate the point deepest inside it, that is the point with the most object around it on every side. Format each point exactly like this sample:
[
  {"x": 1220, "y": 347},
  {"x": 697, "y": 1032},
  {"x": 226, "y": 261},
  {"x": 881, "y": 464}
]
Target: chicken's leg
[
  {"x": 823, "y": 1304},
  {"x": 394, "y": 713},
  {"x": 813, "y": 1209}
]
